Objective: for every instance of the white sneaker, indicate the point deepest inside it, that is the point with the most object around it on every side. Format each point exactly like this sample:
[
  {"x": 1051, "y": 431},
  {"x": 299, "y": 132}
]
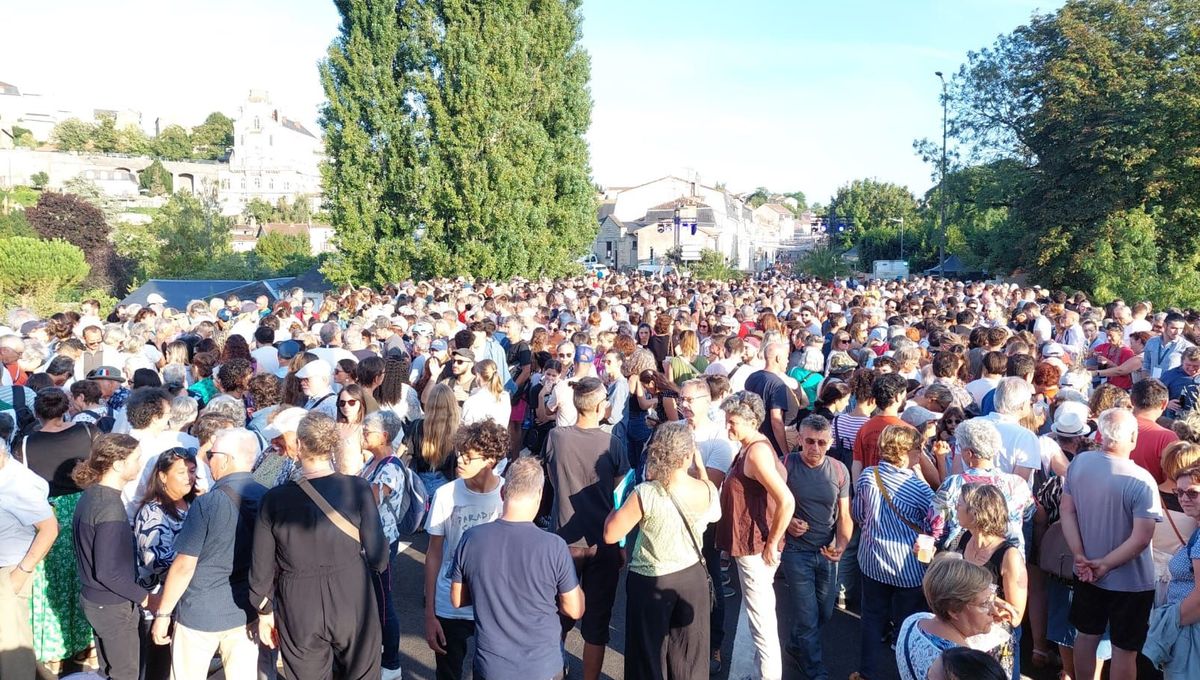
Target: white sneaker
[{"x": 391, "y": 674}]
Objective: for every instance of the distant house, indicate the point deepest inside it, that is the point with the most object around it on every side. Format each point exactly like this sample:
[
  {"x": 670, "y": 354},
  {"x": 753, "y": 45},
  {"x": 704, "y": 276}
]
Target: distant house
[
  {"x": 637, "y": 223},
  {"x": 320, "y": 236}
]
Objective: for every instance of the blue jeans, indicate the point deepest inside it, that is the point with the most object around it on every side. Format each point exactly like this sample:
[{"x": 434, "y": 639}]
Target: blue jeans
[
  {"x": 812, "y": 583},
  {"x": 848, "y": 575},
  {"x": 387, "y": 613},
  {"x": 882, "y": 603}
]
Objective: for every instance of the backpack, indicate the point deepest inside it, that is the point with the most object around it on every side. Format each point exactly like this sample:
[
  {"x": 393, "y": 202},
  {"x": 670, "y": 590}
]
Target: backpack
[
  {"x": 414, "y": 503},
  {"x": 104, "y": 423},
  {"x": 27, "y": 423}
]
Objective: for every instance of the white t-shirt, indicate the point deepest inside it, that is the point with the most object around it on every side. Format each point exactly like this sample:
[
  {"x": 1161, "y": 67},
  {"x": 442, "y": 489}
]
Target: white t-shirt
[
  {"x": 721, "y": 366},
  {"x": 716, "y": 449},
  {"x": 267, "y": 359},
  {"x": 22, "y": 504},
  {"x": 481, "y": 405},
  {"x": 1021, "y": 447},
  {"x": 978, "y": 389},
  {"x": 564, "y": 398},
  {"x": 454, "y": 509}
]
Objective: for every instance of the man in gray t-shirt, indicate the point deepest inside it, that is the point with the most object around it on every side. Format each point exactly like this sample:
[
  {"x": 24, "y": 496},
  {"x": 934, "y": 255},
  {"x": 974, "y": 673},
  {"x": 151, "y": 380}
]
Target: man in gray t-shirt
[{"x": 1109, "y": 508}]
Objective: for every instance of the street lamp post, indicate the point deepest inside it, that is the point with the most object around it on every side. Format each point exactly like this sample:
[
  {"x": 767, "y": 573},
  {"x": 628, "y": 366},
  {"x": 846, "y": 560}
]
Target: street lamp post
[{"x": 942, "y": 183}]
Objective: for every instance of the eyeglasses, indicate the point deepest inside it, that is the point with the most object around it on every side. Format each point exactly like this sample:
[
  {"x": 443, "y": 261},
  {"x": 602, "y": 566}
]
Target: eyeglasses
[
  {"x": 1190, "y": 494},
  {"x": 816, "y": 442},
  {"x": 348, "y": 402},
  {"x": 683, "y": 398},
  {"x": 467, "y": 458},
  {"x": 209, "y": 456}
]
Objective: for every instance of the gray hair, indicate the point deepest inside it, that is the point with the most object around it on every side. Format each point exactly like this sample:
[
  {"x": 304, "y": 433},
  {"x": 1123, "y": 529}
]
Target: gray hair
[
  {"x": 328, "y": 332},
  {"x": 746, "y": 405},
  {"x": 175, "y": 373},
  {"x": 980, "y": 436},
  {"x": 1117, "y": 425},
  {"x": 815, "y": 423},
  {"x": 524, "y": 478},
  {"x": 241, "y": 445},
  {"x": 183, "y": 411},
  {"x": 671, "y": 448},
  {"x": 384, "y": 421},
  {"x": 1013, "y": 395},
  {"x": 228, "y": 406}
]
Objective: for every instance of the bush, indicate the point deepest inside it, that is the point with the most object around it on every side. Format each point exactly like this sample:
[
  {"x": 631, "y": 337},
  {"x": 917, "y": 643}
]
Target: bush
[
  {"x": 713, "y": 267},
  {"x": 38, "y": 273},
  {"x": 156, "y": 180},
  {"x": 824, "y": 262},
  {"x": 39, "y": 180}
]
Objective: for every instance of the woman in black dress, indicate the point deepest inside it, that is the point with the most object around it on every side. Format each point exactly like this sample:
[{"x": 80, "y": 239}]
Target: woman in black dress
[{"x": 309, "y": 576}]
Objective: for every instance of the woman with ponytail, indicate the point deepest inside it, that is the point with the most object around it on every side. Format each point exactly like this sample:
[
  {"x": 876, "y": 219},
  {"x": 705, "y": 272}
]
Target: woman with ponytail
[{"x": 489, "y": 400}]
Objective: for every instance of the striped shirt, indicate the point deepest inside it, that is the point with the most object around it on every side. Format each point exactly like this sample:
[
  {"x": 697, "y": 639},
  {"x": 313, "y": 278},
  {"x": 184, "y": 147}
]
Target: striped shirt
[{"x": 885, "y": 551}]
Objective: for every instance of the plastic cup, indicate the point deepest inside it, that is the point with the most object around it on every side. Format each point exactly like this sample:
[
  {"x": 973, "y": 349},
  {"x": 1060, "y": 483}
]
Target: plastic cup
[{"x": 925, "y": 548}]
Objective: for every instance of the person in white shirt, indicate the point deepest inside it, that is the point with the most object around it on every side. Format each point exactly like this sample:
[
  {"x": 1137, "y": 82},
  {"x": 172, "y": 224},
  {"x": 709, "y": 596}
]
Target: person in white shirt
[
  {"x": 316, "y": 378},
  {"x": 27, "y": 531},
  {"x": 562, "y": 398},
  {"x": 149, "y": 414},
  {"x": 994, "y": 365},
  {"x": 731, "y": 356},
  {"x": 489, "y": 400},
  {"x": 266, "y": 357},
  {"x": 331, "y": 350},
  {"x": 1022, "y": 453}
]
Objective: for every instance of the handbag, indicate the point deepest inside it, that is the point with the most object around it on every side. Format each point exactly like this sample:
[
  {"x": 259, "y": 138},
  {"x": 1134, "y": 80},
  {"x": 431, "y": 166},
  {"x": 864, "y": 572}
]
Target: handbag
[
  {"x": 1054, "y": 556},
  {"x": 888, "y": 498},
  {"x": 712, "y": 592},
  {"x": 339, "y": 520}
]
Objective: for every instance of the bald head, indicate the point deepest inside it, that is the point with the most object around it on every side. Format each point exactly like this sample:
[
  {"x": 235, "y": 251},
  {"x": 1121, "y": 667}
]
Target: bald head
[
  {"x": 776, "y": 354},
  {"x": 237, "y": 444}
]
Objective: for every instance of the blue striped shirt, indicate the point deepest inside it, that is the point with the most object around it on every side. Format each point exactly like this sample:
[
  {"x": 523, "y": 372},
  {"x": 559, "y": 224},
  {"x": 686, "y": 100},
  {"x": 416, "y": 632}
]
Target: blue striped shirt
[{"x": 885, "y": 551}]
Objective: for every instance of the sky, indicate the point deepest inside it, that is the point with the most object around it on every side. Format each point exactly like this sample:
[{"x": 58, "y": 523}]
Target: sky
[{"x": 788, "y": 94}]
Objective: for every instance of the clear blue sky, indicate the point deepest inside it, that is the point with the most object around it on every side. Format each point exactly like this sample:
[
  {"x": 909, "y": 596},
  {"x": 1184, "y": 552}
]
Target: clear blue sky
[{"x": 792, "y": 94}]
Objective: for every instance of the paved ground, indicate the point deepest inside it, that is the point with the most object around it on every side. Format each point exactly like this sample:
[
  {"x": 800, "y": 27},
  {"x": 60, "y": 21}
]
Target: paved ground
[{"x": 841, "y": 637}]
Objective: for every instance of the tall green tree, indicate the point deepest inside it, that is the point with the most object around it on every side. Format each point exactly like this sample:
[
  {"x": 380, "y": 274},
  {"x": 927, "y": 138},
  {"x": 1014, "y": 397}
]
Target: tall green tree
[
  {"x": 78, "y": 222},
  {"x": 1095, "y": 106},
  {"x": 284, "y": 254},
  {"x": 455, "y": 137},
  {"x": 156, "y": 179}
]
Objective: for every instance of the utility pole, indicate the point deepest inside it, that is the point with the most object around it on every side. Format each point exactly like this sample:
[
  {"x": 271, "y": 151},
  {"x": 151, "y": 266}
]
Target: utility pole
[{"x": 942, "y": 183}]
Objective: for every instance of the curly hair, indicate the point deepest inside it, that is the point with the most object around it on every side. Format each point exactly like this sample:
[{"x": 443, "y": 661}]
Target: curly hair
[
  {"x": 896, "y": 441},
  {"x": 267, "y": 390},
  {"x": 986, "y": 504},
  {"x": 746, "y": 405},
  {"x": 395, "y": 376},
  {"x": 1108, "y": 396},
  {"x": 672, "y": 447},
  {"x": 485, "y": 438},
  {"x": 107, "y": 449}
]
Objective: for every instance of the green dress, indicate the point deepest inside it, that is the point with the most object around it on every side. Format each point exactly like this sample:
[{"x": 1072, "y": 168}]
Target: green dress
[{"x": 60, "y": 629}]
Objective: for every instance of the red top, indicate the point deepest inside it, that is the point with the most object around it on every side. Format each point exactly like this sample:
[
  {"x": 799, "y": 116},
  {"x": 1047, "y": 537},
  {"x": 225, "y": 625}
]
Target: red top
[
  {"x": 746, "y": 510},
  {"x": 1152, "y": 439},
  {"x": 1117, "y": 355},
  {"x": 866, "y": 444}
]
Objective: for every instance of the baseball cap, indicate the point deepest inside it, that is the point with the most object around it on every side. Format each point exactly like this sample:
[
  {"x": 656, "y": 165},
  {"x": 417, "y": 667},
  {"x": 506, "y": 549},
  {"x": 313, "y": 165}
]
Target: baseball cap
[
  {"x": 584, "y": 354},
  {"x": 918, "y": 416},
  {"x": 287, "y": 420},
  {"x": 288, "y": 349},
  {"x": 106, "y": 373},
  {"x": 439, "y": 345},
  {"x": 464, "y": 353},
  {"x": 1052, "y": 349},
  {"x": 155, "y": 299},
  {"x": 312, "y": 368}
]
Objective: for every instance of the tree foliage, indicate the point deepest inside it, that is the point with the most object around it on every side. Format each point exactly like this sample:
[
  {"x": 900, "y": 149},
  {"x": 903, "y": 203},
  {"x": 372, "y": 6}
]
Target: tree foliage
[
  {"x": 173, "y": 143},
  {"x": 72, "y": 134},
  {"x": 193, "y": 238},
  {"x": 39, "y": 180},
  {"x": 78, "y": 222},
  {"x": 824, "y": 262},
  {"x": 156, "y": 180},
  {"x": 1094, "y": 108},
  {"x": 713, "y": 266},
  {"x": 455, "y": 139},
  {"x": 213, "y": 138},
  {"x": 28, "y": 265},
  {"x": 284, "y": 254}
]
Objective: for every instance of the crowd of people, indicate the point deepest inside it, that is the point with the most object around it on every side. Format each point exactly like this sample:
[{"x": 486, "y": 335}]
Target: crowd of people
[{"x": 970, "y": 467}]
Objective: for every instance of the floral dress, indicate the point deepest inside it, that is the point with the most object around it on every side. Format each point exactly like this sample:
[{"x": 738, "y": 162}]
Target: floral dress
[{"x": 60, "y": 629}]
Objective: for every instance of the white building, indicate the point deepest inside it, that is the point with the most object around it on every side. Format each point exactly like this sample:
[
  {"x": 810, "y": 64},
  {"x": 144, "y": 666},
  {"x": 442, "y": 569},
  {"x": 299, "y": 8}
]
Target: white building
[
  {"x": 637, "y": 223},
  {"x": 273, "y": 157}
]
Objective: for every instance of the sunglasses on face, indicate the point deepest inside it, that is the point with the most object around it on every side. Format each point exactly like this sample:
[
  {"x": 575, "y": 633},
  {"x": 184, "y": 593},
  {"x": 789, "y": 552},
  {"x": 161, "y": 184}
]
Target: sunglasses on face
[
  {"x": 1190, "y": 494},
  {"x": 460, "y": 362},
  {"x": 348, "y": 402},
  {"x": 816, "y": 442}
]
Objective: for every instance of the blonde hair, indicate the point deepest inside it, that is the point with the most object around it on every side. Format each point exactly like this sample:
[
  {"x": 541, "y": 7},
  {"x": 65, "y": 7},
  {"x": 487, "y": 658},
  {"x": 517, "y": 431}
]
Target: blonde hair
[
  {"x": 895, "y": 442},
  {"x": 489, "y": 377},
  {"x": 441, "y": 424},
  {"x": 689, "y": 346},
  {"x": 986, "y": 504},
  {"x": 1178, "y": 457},
  {"x": 951, "y": 583}
]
